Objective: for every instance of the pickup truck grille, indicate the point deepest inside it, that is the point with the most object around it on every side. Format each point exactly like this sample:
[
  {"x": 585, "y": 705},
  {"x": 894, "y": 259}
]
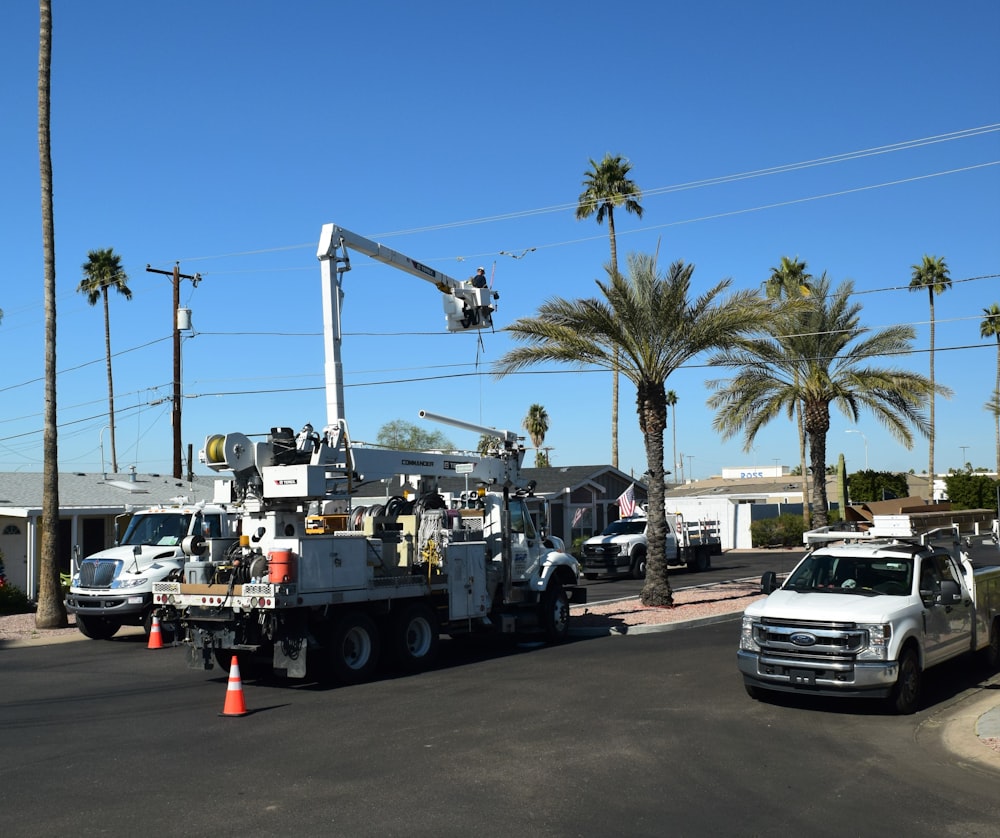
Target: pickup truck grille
[
  {"x": 810, "y": 640},
  {"x": 97, "y": 573},
  {"x": 600, "y": 550}
]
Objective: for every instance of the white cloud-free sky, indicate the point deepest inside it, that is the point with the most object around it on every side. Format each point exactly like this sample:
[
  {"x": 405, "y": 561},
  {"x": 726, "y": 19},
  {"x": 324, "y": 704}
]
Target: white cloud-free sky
[{"x": 223, "y": 135}]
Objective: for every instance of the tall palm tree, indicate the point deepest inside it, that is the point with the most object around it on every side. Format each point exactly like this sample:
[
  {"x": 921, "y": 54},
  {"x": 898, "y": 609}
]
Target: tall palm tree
[
  {"x": 51, "y": 612},
  {"x": 647, "y": 325},
  {"x": 990, "y": 327},
  {"x": 103, "y": 270},
  {"x": 671, "y": 401},
  {"x": 790, "y": 280},
  {"x": 536, "y": 423},
  {"x": 931, "y": 274},
  {"x": 606, "y": 185},
  {"x": 820, "y": 355}
]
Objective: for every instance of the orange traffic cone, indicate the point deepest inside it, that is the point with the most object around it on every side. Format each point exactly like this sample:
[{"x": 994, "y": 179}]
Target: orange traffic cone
[
  {"x": 235, "y": 706},
  {"x": 155, "y": 637}
]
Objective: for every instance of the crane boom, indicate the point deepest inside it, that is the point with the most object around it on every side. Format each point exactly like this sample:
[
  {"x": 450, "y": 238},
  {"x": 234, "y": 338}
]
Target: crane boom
[{"x": 466, "y": 306}]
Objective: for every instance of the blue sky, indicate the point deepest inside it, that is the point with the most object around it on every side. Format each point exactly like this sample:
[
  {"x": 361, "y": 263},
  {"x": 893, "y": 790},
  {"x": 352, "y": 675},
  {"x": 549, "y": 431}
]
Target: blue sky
[{"x": 223, "y": 135}]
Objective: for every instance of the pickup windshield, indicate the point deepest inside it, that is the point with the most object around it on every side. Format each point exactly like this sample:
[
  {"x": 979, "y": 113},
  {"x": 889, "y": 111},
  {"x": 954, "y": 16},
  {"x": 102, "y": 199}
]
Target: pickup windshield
[
  {"x": 623, "y": 527},
  {"x": 852, "y": 575},
  {"x": 165, "y": 529}
]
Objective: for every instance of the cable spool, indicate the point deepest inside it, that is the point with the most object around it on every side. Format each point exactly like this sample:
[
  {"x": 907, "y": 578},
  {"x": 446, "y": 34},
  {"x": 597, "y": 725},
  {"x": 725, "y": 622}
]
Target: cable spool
[{"x": 215, "y": 449}]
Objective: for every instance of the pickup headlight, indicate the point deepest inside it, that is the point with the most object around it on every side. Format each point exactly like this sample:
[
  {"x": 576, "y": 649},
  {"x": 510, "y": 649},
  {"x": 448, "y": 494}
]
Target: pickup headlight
[
  {"x": 877, "y": 648},
  {"x": 747, "y": 641}
]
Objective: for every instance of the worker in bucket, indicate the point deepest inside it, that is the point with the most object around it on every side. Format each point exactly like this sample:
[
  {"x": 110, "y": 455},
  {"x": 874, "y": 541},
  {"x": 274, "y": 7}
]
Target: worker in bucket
[{"x": 479, "y": 280}]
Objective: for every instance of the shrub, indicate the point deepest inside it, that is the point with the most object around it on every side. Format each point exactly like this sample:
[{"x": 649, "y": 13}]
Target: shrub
[
  {"x": 14, "y": 601},
  {"x": 783, "y": 531}
]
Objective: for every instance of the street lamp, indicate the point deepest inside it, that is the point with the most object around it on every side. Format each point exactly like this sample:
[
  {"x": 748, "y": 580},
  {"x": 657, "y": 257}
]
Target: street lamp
[{"x": 853, "y": 431}]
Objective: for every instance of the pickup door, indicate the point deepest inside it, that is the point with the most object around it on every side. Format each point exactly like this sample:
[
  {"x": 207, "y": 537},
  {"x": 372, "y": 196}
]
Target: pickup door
[{"x": 947, "y": 618}]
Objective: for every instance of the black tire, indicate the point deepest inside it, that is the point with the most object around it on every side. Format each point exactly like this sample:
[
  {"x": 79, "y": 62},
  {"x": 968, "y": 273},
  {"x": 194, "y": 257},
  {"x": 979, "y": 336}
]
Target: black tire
[
  {"x": 97, "y": 628},
  {"x": 905, "y": 697},
  {"x": 638, "y": 567},
  {"x": 354, "y": 648},
  {"x": 700, "y": 560},
  {"x": 414, "y": 637},
  {"x": 554, "y": 612}
]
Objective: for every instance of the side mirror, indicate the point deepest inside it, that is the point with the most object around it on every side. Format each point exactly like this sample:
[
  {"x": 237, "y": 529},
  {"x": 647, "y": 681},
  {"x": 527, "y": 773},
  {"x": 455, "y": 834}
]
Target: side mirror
[
  {"x": 950, "y": 592},
  {"x": 768, "y": 582}
]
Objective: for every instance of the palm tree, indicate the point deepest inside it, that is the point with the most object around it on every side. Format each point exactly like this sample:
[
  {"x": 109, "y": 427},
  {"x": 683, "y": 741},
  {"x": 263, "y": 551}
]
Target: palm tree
[
  {"x": 103, "y": 270},
  {"x": 671, "y": 400},
  {"x": 820, "y": 354},
  {"x": 932, "y": 274},
  {"x": 990, "y": 327},
  {"x": 647, "y": 326},
  {"x": 51, "y": 612},
  {"x": 789, "y": 281},
  {"x": 606, "y": 186},
  {"x": 536, "y": 423}
]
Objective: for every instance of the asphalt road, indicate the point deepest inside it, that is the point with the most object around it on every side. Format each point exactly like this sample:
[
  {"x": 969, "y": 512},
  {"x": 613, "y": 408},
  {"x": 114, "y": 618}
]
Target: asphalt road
[
  {"x": 649, "y": 735},
  {"x": 733, "y": 564}
]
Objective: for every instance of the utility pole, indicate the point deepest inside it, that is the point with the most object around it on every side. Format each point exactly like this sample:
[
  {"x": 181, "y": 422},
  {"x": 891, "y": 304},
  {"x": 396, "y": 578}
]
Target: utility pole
[{"x": 175, "y": 415}]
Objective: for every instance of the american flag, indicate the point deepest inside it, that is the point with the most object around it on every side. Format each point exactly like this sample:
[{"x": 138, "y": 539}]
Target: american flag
[{"x": 626, "y": 502}]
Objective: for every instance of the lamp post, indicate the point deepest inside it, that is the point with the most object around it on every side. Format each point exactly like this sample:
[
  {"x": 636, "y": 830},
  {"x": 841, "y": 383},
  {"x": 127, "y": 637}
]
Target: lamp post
[
  {"x": 964, "y": 449},
  {"x": 853, "y": 431}
]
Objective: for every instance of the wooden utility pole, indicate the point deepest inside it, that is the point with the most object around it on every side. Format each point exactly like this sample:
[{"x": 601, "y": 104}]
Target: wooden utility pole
[{"x": 175, "y": 414}]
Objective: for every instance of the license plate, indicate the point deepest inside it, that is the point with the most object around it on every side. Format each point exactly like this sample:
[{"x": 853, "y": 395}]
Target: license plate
[{"x": 802, "y": 676}]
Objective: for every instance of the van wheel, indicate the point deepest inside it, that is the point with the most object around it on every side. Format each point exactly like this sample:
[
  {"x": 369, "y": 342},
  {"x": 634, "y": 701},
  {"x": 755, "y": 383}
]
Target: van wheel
[
  {"x": 905, "y": 695},
  {"x": 97, "y": 628},
  {"x": 354, "y": 648},
  {"x": 638, "y": 569}
]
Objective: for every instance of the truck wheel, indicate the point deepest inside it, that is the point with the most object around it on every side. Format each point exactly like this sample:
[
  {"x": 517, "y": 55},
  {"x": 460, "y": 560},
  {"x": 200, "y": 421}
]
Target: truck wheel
[
  {"x": 905, "y": 695},
  {"x": 700, "y": 561},
  {"x": 97, "y": 628},
  {"x": 413, "y": 637},
  {"x": 354, "y": 648},
  {"x": 166, "y": 629},
  {"x": 638, "y": 569},
  {"x": 554, "y": 613}
]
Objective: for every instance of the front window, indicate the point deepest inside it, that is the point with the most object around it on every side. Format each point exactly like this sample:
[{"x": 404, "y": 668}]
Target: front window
[
  {"x": 852, "y": 575},
  {"x": 164, "y": 529},
  {"x": 623, "y": 527}
]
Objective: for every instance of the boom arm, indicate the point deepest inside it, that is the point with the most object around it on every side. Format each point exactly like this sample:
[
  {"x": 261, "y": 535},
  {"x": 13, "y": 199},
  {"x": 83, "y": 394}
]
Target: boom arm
[{"x": 465, "y": 306}]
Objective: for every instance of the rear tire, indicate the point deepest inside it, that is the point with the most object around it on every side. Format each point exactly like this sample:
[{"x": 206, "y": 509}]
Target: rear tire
[
  {"x": 638, "y": 568},
  {"x": 97, "y": 628},
  {"x": 414, "y": 637},
  {"x": 905, "y": 696},
  {"x": 354, "y": 649}
]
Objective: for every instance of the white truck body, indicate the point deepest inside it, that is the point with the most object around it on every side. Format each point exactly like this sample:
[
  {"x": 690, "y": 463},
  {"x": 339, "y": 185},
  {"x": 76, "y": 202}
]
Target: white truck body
[
  {"x": 114, "y": 587},
  {"x": 865, "y": 613},
  {"x": 621, "y": 549},
  {"x": 315, "y": 587}
]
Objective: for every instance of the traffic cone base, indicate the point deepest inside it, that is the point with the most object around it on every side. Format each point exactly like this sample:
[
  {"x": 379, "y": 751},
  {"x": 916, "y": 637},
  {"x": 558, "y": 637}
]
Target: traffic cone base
[
  {"x": 235, "y": 705},
  {"x": 155, "y": 635}
]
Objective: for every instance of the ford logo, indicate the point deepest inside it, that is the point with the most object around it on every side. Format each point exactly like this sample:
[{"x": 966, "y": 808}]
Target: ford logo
[{"x": 803, "y": 638}]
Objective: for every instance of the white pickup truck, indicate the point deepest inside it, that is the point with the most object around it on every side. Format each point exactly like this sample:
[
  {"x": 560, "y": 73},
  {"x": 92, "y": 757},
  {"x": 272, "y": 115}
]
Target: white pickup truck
[
  {"x": 621, "y": 549},
  {"x": 865, "y": 613}
]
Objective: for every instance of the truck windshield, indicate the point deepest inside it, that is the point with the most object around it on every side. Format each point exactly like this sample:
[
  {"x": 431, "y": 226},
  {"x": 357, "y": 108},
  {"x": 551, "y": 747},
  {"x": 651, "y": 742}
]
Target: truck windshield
[
  {"x": 165, "y": 529},
  {"x": 852, "y": 575},
  {"x": 623, "y": 527}
]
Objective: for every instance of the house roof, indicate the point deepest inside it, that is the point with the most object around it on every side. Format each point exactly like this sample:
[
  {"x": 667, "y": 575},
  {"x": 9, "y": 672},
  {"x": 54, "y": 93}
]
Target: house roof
[{"x": 22, "y": 491}]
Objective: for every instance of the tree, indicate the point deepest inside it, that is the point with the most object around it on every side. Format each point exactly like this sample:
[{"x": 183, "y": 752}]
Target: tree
[
  {"x": 536, "y": 423},
  {"x": 606, "y": 186},
  {"x": 869, "y": 485},
  {"x": 932, "y": 274},
  {"x": 103, "y": 270},
  {"x": 51, "y": 612},
  {"x": 971, "y": 491},
  {"x": 671, "y": 399},
  {"x": 790, "y": 280},
  {"x": 647, "y": 325},
  {"x": 819, "y": 354},
  {"x": 990, "y": 327},
  {"x": 405, "y": 436}
]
